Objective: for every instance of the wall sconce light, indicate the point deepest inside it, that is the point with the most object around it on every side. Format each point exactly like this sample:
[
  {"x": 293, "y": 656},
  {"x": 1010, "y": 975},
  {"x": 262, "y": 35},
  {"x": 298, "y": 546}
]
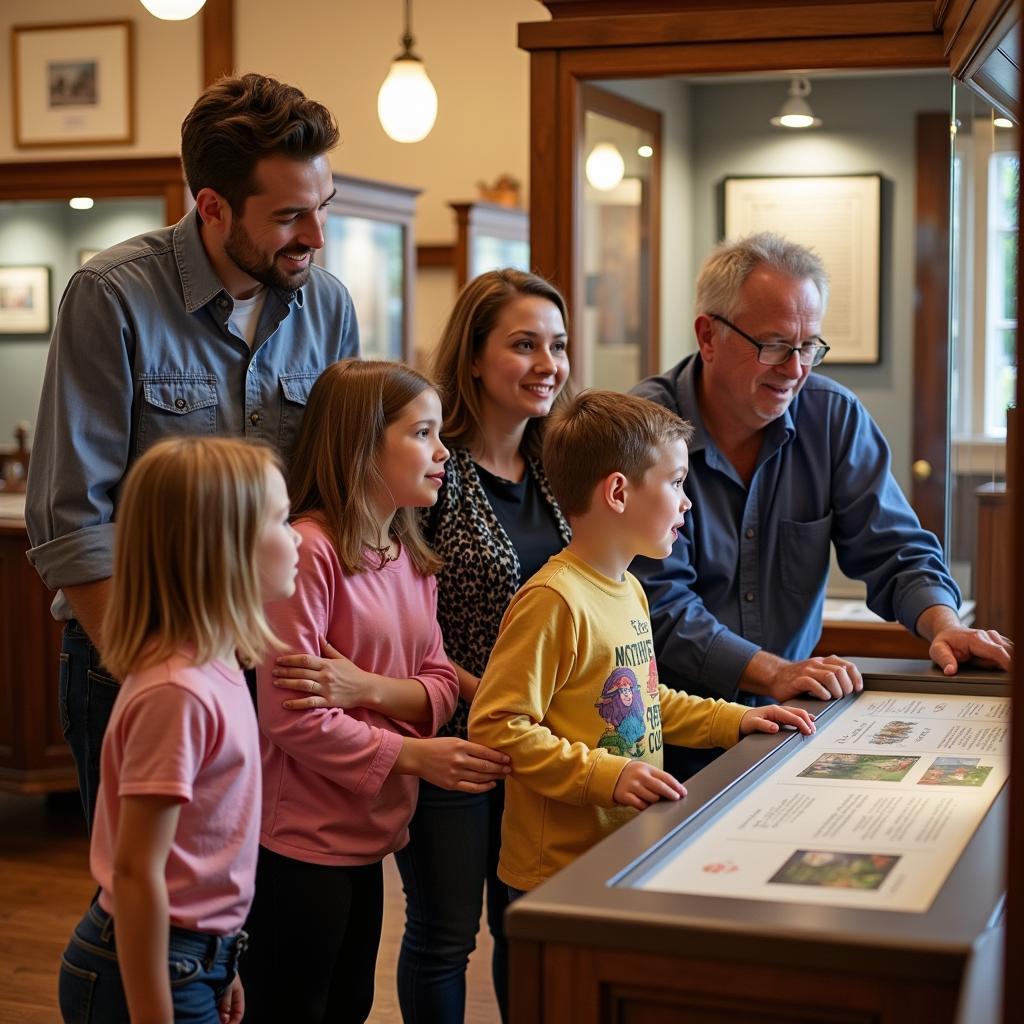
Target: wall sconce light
[
  {"x": 81, "y": 203},
  {"x": 172, "y": 10},
  {"x": 796, "y": 111},
  {"x": 1001, "y": 122},
  {"x": 407, "y": 100},
  {"x": 645, "y": 151},
  {"x": 605, "y": 167}
]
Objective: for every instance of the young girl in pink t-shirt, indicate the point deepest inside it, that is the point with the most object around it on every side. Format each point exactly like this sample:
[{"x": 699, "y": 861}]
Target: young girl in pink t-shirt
[
  {"x": 202, "y": 540},
  {"x": 340, "y": 769}
]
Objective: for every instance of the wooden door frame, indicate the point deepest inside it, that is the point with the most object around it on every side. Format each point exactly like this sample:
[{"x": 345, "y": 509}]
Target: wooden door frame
[{"x": 594, "y": 99}]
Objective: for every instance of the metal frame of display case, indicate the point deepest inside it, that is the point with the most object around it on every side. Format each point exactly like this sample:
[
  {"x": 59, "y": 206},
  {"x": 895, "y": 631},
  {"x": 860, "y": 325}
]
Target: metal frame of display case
[{"x": 889, "y": 966}]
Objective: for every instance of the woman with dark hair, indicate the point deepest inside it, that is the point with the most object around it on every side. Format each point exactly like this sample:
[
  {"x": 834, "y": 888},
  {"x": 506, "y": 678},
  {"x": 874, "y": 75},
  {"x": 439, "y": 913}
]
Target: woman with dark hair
[{"x": 501, "y": 366}]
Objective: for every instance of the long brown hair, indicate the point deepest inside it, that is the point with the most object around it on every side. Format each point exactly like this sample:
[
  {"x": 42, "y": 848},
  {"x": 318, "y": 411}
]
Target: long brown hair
[
  {"x": 185, "y": 571},
  {"x": 472, "y": 319},
  {"x": 335, "y": 470}
]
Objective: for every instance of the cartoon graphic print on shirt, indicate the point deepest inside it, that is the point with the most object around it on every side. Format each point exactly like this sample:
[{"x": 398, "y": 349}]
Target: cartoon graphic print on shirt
[{"x": 622, "y": 708}]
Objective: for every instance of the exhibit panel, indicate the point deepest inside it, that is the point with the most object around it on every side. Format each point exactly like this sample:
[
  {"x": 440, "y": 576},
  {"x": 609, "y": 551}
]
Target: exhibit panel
[{"x": 865, "y": 866}]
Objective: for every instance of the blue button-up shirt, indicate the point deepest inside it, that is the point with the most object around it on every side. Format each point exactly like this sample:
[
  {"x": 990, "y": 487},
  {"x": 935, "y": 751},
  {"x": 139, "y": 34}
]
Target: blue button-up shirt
[
  {"x": 141, "y": 350},
  {"x": 749, "y": 568}
]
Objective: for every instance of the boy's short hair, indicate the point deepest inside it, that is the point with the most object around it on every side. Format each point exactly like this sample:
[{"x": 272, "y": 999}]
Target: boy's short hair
[{"x": 603, "y": 432}]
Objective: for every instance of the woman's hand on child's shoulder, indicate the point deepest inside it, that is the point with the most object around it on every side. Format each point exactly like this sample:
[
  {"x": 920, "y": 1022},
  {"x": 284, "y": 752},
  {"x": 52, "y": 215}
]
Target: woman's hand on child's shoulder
[
  {"x": 451, "y": 763},
  {"x": 329, "y": 681},
  {"x": 641, "y": 784},
  {"x": 772, "y": 717}
]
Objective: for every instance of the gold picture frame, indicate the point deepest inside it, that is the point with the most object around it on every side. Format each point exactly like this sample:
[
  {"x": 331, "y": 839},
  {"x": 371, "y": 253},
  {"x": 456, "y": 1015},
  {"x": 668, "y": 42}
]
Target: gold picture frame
[{"x": 71, "y": 84}]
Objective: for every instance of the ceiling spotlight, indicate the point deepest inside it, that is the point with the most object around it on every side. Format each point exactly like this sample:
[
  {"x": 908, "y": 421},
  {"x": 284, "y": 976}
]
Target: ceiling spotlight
[
  {"x": 605, "y": 167},
  {"x": 645, "y": 151},
  {"x": 81, "y": 203},
  {"x": 796, "y": 111}
]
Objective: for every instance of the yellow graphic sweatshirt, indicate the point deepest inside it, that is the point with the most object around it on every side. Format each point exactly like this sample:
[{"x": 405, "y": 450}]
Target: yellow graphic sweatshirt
[{"x": 571, "y": 693}]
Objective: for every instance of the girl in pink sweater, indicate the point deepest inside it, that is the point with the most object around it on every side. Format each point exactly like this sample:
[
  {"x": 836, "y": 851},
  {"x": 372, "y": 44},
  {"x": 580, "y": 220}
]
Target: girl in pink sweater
[
  {"x": 202, "y": 539},
  {"x": 341, "y": 774}
]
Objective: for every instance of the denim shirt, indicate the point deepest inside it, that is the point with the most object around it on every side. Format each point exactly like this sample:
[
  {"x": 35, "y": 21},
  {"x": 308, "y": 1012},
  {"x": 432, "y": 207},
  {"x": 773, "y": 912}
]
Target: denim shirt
[
  {"x": 142, "y": 350},
  {"x": 749, "y": 568}
]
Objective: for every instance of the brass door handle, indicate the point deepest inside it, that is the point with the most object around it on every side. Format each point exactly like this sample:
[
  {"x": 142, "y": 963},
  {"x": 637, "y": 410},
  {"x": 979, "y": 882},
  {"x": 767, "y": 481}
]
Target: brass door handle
[{"x": 922, "y": 470}]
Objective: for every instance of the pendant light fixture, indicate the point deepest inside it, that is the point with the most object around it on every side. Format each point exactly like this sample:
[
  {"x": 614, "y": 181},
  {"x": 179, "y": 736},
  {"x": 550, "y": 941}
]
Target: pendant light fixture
[
  {"x": 407, "y": 100},
  {"x": 605, "y": 167},
  {"x": 796, "y": 111},
  {"x": 172, "y": 10}
]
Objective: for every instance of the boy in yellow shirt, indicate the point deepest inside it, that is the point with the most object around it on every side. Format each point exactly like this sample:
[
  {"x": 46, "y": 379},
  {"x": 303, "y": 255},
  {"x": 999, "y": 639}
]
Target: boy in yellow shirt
[{"x": 571, "y": 689}]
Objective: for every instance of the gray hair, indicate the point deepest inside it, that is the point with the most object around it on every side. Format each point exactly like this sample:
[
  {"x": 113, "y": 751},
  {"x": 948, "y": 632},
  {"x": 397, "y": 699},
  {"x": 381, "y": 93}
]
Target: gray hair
[{"x": 731, "y": 262}]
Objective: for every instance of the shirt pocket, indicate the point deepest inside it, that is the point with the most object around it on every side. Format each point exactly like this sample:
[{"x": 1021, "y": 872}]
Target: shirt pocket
[
  {"x": 176, "y": 404},
  {"x": 295, "y": 388},
  {"x": 804, "y": 554}
]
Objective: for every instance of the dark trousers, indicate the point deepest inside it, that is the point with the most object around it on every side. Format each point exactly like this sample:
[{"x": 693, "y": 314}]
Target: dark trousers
[
  {"x": 452, "y": 854},
  {"x": 86, "y": 699},
  {"x": 313, "y": 931}
]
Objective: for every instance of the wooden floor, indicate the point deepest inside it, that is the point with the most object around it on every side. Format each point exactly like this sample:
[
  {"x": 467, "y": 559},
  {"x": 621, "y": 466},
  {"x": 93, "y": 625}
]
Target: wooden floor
[{"x": 45, "y": 887}]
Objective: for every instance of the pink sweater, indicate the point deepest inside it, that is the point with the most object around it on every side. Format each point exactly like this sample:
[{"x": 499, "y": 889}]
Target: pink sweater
[
  {"x": 328, "y": 793},
  {"x": 187, "y": 732}
]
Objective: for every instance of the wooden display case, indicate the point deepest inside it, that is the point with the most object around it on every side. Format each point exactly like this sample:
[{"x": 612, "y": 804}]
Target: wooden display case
[
  {"x": 369, "y": 244},
  {"x": 587, "y": 946}
]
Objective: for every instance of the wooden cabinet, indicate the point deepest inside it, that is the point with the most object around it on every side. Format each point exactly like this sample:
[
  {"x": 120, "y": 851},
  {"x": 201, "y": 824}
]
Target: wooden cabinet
[{"x": 33, "y": 755}]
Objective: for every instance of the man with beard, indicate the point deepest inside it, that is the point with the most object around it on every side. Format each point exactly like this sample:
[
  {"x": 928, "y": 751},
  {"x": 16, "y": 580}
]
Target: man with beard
[
  {"x": 217, "y": 325},
  {"x": 783, "y": 464}
]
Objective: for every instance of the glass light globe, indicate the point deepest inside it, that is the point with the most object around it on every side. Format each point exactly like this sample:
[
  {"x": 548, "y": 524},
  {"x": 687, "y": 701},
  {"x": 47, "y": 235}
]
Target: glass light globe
[
  {"x": 407, "y": 101},
  {"x": 172, "y": 10},
  {"x": 605, "y": 167}
]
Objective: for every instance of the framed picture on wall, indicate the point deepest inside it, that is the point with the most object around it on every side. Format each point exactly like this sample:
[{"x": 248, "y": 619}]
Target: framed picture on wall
[
  {"x": 840, "y": 218},
  {"x": 24, "y": 300},
  {"x": 71, "y": 84}
]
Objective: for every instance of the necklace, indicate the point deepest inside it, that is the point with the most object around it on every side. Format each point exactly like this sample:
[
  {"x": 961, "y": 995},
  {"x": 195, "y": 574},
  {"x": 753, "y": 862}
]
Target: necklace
[{"x": 384, "y": 552}]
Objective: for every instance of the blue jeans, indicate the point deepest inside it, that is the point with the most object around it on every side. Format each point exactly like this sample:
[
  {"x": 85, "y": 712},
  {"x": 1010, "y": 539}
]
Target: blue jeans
[
  {"x": 86, "y": 699},
  {"x": 452, "y": 852},
  {"x": 200, "y": 966}
]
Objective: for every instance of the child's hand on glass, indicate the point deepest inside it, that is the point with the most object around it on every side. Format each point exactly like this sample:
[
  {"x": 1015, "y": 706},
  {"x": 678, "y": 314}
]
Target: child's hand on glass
[
  {"x": 773, "y": 717},
  {"x": 329, "y": 681},
  {"x": 641, "y": 784}
]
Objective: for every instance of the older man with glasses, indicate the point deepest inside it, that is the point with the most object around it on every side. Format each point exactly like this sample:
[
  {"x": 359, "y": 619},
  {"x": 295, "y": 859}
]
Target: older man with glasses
[{"x": 783, "y": 463}]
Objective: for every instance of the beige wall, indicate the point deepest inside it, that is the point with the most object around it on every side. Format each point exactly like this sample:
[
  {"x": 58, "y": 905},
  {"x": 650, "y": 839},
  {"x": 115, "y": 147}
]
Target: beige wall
[{"x": 338, "y": 51}]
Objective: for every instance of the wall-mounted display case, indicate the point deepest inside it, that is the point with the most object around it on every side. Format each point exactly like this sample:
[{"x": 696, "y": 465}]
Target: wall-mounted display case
[{"x": 369, "y": 246}]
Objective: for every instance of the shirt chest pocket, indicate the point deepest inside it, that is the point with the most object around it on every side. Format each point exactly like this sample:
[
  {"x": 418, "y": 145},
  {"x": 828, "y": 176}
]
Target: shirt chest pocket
[
  {"x": 295, "y": 388},
  {"x": 174, "y": 405},
  {"x": 804, "y": 554}
]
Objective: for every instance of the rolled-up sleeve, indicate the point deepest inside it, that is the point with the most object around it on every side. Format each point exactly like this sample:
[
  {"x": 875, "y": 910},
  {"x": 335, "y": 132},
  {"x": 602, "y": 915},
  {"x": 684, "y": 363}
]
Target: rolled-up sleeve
[{"x": 82, "y": 435}]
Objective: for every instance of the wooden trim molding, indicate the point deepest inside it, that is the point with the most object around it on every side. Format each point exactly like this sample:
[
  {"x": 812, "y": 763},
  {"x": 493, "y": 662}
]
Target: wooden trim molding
[
  {"x": 435, "y": 256},
  {"x": 218, "y": 39},
  {"x": 716, "y": 25},
  {"x": 61, "y": 179}
]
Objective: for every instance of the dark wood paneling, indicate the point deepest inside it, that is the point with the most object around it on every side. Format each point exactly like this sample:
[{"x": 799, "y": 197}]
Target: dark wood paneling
[
  {"x": 435, "y": 256},
  {"x": 931, "y": 317}
]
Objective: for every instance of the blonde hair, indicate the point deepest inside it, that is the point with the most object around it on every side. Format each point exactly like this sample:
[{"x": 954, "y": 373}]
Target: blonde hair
[
  {"x": 334, "y": 468},
  {"x": 731, "y": 262},
  {"x": 472, "y": 319},
  {"x": 603, "y": 432},
  {"x": 185, "y": 570}
]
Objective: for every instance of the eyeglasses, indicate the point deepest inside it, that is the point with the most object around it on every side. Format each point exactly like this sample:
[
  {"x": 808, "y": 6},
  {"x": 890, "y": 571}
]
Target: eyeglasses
[{"x": 775, "y": 353}]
